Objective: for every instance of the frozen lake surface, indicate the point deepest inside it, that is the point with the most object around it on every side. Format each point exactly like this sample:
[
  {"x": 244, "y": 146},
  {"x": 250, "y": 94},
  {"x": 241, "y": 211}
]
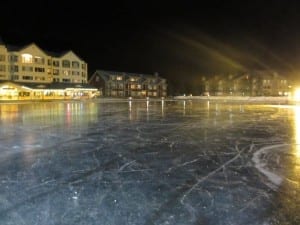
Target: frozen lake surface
[{"x": 149, "y": 163}]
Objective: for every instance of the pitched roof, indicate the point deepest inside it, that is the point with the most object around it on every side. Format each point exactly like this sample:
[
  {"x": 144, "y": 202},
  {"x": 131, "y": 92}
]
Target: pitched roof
[
  {"x": 15, "y": 48},
  {"x": 127, "y": 74}
]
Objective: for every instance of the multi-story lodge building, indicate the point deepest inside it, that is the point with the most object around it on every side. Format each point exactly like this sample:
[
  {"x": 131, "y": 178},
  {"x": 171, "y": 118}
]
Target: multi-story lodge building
[
  {"x": 122, "y": 84},
  {"x": 28, "y": 73},
  {"x": 253, "y": 83}
]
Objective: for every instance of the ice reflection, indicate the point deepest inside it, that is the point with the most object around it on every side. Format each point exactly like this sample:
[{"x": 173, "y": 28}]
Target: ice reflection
[
  {"x": 162, "y": 107},
  {"x": 130, "y": 109},
  {"x": 86, "y": 162},
  {"x": 297, "y": 148},
  {"x": 9, "y": 112},
  {"x": 147, "y": 105},
  {"x": 45, "y": 113},
  {"x": 289, "y": 196},
  {"x": 297, "y": 130},
  {"x": 130, "y": 105}
]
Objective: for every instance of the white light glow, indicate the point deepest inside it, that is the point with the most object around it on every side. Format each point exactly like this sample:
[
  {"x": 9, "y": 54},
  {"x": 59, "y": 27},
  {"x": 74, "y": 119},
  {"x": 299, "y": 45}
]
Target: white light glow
[
  {"x": 297, "y": 130},
  {"x": 26, "y": 58},
  {"x": 297, "y": 94}
]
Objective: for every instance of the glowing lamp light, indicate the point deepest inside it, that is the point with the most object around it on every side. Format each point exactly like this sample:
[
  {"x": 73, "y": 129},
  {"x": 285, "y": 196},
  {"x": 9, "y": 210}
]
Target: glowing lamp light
[
  {"x": 297, "y": 130},
  {"x": 297, "y": 94}
]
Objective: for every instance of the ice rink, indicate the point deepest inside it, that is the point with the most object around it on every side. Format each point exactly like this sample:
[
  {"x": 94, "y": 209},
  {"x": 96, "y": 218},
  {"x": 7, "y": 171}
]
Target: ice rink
[{"x": 170, "y": 162}]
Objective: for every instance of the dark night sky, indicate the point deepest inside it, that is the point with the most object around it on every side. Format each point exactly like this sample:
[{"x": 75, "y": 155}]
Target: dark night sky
[{"x": 181, "y": 41}]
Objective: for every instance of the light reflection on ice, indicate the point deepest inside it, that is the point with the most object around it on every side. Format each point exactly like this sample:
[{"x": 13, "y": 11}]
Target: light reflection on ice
[
  {"x": 261, "y": 164},
  {"x": 297, "y": 130},
  {"x": 147, "y": 162}
]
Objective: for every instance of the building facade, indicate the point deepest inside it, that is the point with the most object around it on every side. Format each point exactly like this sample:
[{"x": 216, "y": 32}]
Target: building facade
[
  {"x": 122, "y": 84},
  {"x": 254, "y": 83},
  {"x": 37, "y": 70}
]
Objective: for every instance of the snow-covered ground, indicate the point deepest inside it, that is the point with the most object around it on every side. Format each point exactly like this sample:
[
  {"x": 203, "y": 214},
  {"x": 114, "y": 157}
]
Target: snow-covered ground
[{"x": 149, "y": 162}]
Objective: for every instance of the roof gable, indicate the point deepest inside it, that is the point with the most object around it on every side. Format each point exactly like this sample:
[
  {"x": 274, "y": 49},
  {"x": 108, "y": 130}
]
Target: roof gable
[
  {"x": 70, "y": 55},
  {"x": 32, "y": 48}
]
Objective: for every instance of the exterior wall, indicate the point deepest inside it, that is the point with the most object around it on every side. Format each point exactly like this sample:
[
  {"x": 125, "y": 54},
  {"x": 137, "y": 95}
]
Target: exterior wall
[
  {"x": 15, "y": 91},
  {"x": 72, "y": 69},
  {"x": 3, "y": 63},
  {"x": 115, "y": 86},
  {"x": 263, "y": 83},
  {"x": 98, "y": 82},
  {"x": 33, "y": 65},
  {"x": 120, "y": 84},
  {"x": 29, "y": 65}
]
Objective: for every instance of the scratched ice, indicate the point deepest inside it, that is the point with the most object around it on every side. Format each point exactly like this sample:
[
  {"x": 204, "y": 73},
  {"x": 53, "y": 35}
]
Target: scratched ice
[{"x": 149, "y": 163}]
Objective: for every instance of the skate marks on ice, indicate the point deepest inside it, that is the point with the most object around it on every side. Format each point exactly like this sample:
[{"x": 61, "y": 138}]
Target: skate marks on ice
[{"x": 260, "y": 158}]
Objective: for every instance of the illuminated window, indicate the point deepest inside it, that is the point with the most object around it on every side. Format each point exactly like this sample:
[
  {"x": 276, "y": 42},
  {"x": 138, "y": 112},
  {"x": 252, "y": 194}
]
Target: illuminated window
[
  {"x": 76, "y": 81},
  {"x": 119, "y": 78},
  {"x": 39, "y": 69},
  {"x": 66, "y": 72},
  {"x": 27, "y": 77},
  {"x": 49, "y": 71},
  {"x": 39, "y": 60},
  {"x": 55, "y": 72},
  {"x": 283, "y": 81},
  {"x": 39, "y": 78},
  {"x": 27, "y": 58},
  {"x": 24, "y": 94}
]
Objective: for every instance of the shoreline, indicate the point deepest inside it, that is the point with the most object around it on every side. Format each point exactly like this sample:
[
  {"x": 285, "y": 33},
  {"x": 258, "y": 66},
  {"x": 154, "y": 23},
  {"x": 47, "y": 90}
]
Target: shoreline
[{"x": 248, "y": 99}]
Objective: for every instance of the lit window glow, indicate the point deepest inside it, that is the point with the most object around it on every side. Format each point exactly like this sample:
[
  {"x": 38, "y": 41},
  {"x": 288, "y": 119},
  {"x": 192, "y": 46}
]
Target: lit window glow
[{"x": 26, "y": 58}]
